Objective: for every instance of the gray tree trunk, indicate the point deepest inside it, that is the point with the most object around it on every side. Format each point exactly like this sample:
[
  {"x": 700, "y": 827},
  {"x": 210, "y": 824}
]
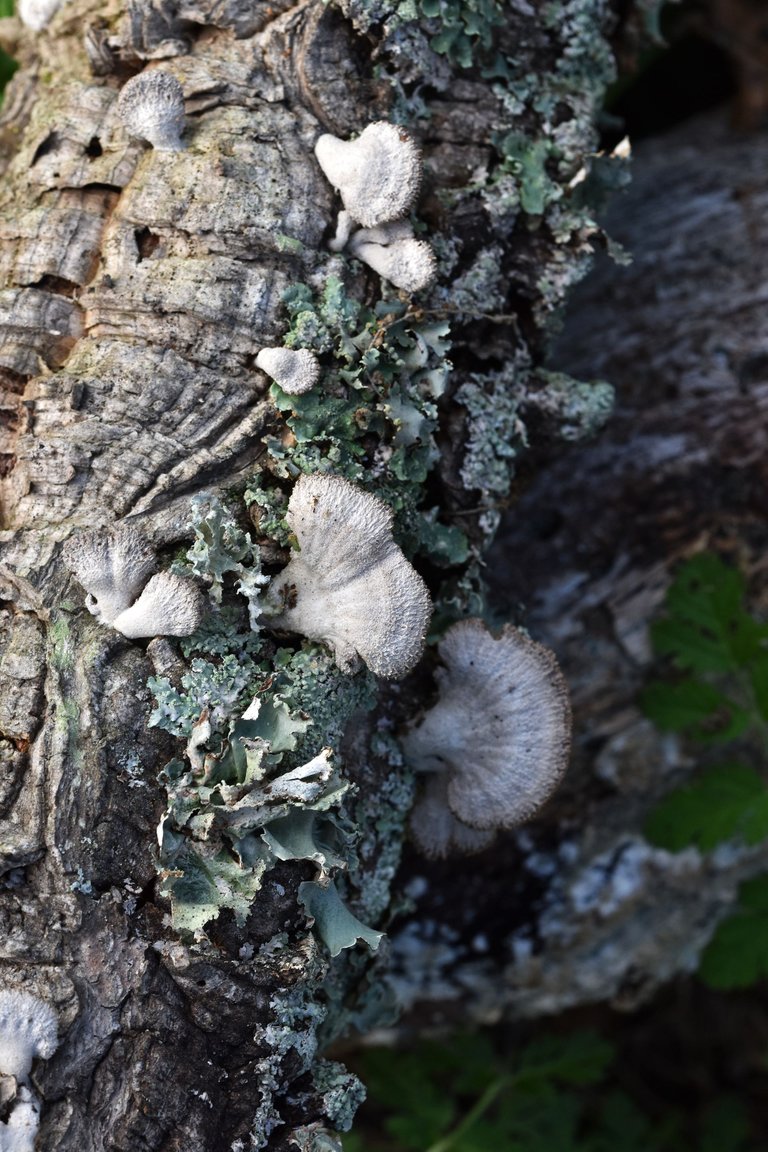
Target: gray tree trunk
[
  {"x": 579, "y": 908},
  {"x": 138, "y": 287}
]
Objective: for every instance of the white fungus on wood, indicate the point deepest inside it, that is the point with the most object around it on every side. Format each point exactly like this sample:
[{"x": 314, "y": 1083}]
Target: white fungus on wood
[
  {"x": 296, "y": 371},
  {"x": 114, "y": 566},
  {"x": 499, "y": 732},
  {"x": 436, "y": 831},
  {"x": 170, "y": 605},
  {"x": 19, "y": 1133},
  {"x": 151, "y": 106},
  {"x": 393, "y": 252},
  {"x": 28, "y": 1029},
  {"x": 378, "y": 175},
  {"x": 36, "y": 14},
  {"x": 350, "y": 586}
]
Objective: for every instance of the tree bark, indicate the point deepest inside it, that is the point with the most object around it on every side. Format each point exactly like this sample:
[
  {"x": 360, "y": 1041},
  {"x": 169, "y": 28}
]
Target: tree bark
[
  {"x": 579, "y": 908},
  {"x": 138, "y": 288}
]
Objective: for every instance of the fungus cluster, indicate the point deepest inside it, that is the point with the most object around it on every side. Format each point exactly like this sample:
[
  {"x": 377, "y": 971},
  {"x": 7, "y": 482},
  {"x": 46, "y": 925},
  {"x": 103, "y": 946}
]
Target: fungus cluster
[
  {"x": 151, "y": 106},
  {"x": 496, "y": 743},
  {"x": 115, "y": 567},
  {"x": 350, "y": 586},
  {"x": 378, "y": 176}
]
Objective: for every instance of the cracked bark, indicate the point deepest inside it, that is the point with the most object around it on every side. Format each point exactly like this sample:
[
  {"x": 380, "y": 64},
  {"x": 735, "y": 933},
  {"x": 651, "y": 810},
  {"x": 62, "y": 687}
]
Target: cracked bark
[
  {"x": 138, "y": 288},
  {"x": 576, "y": 909}
]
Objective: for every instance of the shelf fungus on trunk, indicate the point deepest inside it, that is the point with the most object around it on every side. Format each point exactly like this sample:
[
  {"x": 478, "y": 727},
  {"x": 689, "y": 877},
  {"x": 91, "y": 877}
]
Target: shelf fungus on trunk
[
  {"x": 495, "y": 744},
  {"x": 378, "y": 177},
  {"x": 28, "y": 1031},
  {"x": 397, "y": 256},
  {"x": 115, "y": 566},
  {"x": 350, "y": 586},
  {"x": 295, "y": 370},
  {"x": 151, "y": 106}
]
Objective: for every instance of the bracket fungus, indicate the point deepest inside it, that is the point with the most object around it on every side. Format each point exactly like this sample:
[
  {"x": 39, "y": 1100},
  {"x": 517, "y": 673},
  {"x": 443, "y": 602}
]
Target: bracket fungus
[
  {"x": 498, "y": 737},
  {"x": 350, "y": 586},
  {"x": 114, "y": 566},
  {"x": 151, "y": 106},
  {"x": 37, "y": 14},
  {"x": 296, "y": 371},
  {"x": 378, "y": 175},
  {"x": 28, "y": 1029},
  {"x": 393, "y": 252}
]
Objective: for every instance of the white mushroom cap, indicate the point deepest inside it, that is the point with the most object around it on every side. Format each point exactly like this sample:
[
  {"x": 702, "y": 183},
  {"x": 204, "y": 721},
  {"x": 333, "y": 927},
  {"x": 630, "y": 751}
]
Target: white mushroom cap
[
  {"x": 36, "y": 14},
  {"x": 169, "y": 606},
  {"x": 393, "y": 252},
  {"x": 377, "y": 175},
  {"x": 151, "y": 106},
  {"x": 112, "y": 565},
  {"x": 350, "y": 585},
  {"x": 500, "y": 729},
  {"x": 296, "y": 371},
  {"x": 28, "y": 1029},
  {"x": 19, "y": 1134},
  {"x": 436, "y": 831}
]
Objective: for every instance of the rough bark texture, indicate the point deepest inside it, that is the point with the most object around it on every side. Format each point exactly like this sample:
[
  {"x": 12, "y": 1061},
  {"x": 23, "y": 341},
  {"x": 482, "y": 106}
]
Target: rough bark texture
[
  {"x": 138, "y": 287},
  {"x": 580, "y": 908}
]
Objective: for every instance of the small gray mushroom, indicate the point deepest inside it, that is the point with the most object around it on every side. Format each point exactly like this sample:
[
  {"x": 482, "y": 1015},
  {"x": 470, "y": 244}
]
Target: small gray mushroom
[
  {"x": 113, "y": 565},
  {"x": 28, "y": 1029},
  {"x": 393, "y": 252},
  {"x": 378, "y": 175},
  {"x": 296, "y": 371},
  {"x": 499, "y": 734},
  {"x": 350, "y": 586},
  {"x": 37, "y": 14},
  {"x": 151, "y": 106},
  {"x": 170, "y": 605}
]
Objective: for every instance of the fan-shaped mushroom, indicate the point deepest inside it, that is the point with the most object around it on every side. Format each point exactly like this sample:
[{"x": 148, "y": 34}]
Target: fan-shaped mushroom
[
  {"x": 114, "y": 565},
  {"x": 296, "y": 371},
  {"x": 168, "y": 606},
  {"x": 350, "y": 586},
  {"x": 151, "y": 105},
  {"x": 396, "y": 255},
  {"x": 499, "y": 733},
  {"x": 378, "y": 175},
  {"x": 28, "y": 1029}
]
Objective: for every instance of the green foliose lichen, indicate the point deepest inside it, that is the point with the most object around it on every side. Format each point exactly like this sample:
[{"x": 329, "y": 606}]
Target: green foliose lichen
[{"x": 374, "y": 418}]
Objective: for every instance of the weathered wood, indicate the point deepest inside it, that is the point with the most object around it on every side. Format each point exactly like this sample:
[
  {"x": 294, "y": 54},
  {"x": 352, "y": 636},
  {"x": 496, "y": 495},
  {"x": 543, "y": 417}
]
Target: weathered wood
[{"x": 578, "y": 908}]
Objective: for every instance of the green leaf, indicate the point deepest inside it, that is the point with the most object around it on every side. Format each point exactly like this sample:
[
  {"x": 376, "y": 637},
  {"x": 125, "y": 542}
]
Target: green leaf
[
  {"x": 577, "y": 1058},
  {"x": 695, "y": 707},
  {"x": 724, "y": 1125},
  {"x": 725, "y": 802},
  {"x": 706, "y": 628},
  {"x": 337, "y": 926},
  {"x": 737, "y": 955}
]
